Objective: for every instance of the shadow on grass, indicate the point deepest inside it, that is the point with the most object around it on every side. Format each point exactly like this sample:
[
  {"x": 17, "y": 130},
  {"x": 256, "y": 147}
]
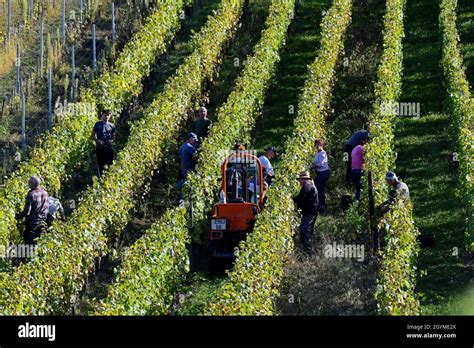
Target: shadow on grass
[
  {"x": 424, "y": 150},
  {"x": 300, "y": 51},
  {"x": 466, "y": 32}
]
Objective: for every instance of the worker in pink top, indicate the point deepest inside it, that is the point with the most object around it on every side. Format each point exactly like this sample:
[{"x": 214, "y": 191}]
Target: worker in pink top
[{"x": 357, "y": 166}]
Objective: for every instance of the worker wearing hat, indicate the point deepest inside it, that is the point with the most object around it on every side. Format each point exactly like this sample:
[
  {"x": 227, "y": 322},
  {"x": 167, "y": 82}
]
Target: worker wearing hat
[
  {"x": 268, "y": 172},
  {"x": 188, "y": 156},
  {"x": 397, "y": 188},
  {"x": 307, "y": 201}
]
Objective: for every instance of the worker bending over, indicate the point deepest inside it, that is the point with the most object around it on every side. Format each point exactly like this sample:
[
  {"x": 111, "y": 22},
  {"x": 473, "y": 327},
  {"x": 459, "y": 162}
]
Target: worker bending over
[
  {"x": 55, "y": 207},
  {"x": 35, "y": 211},
  {"x": 398, "y": 190}
]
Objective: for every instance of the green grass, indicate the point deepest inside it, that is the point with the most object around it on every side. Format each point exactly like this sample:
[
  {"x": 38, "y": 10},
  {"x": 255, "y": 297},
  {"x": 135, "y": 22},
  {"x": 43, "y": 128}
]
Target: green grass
[
  {"x": 424, "y": 151},
  {"x": 195, "y": 294},
  {"x": 275, "y": 123},
  {"x": 466, "y": 33},
  {"x": 161, "y": 194},
  {"x": 163, "y": 183},
  {"x": 302, "y": 44},
  {"x": 325, "y": 286}
]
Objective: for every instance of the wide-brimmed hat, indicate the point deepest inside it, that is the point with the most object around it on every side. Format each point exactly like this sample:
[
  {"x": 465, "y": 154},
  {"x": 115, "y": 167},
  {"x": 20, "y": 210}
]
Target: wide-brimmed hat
[{"x": 304, "y": 175}]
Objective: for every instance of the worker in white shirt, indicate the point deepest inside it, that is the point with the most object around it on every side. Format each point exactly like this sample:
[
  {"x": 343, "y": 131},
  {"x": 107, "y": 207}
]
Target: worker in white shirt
[
  {"x": 321, "y": 167},
  {"x": 268, "y": 172},
  {"x": 55, "y": 207}
]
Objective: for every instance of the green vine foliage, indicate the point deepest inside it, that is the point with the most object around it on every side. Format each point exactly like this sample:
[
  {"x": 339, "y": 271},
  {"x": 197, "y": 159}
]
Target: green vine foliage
[
  {"x": 253, "y": 284},
  {"x": 396, "y": 281},
  {"x": 51, "y": 160},
  {"x": 462, "y": 110},
  {"x": 236, "y": 117},
  {"x": 50, "y": 282},
  {"x": 133, "y": 294},
  {"x": 65, "y": 146},
  {"x": 115, "y": 88},
  {"x": 152, "y": 269},
  {"x": 396, "y": 278}
]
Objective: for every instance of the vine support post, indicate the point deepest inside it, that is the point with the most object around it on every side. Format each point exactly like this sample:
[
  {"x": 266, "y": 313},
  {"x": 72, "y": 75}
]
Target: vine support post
[
  {"x": 63, "y": 22},
  {"x": 17, "y": 63},
  {"x": 9, "y": 20},
  {"x": 94, "y": 52},
  {"x": 81, "y": 10},
  {"x": 50, "y": 100},
  {"x": 372, "y": 224},
  {"x": 113, "y": 22},
  {"x": 41, "y": 46},
  {"x": 73, "y": 73},
  {"x": 23, "y": 137}
]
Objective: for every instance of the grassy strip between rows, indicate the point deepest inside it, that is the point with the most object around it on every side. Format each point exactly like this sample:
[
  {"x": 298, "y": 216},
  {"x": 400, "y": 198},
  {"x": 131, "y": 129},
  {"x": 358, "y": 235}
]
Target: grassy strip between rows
[
  {"x": 396, "y": 278},
  {"x": 146, "y": 285},
  {"x": 66, "y": 145},
  {"x": 51, "y": 282},
  {"x": 462, "y": 109},
  {"x": 253, "y": 284}
]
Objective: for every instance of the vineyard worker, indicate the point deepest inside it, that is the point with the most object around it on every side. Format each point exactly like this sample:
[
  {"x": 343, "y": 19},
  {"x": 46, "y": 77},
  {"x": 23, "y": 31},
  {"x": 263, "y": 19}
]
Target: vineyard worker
[
  {"x": 321, "y": 167},
  {"x": 188, "y": 157},
  {"x": 398, "y": 189},
  {"x": 202, "y": 124},
  {"x": 35, "y": 211},
  {"x": 307, "y": 201},
  {"x": 354, "y": 140},
  {"x": 357, "y": 166},
  {"x": 104, "y": 136},
  {"x": 55, "y": 207},
  {"x": 268, "y": 172}
]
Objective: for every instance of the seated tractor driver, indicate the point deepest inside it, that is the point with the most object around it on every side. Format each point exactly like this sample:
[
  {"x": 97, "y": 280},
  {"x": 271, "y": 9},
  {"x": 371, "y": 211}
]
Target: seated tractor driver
[{"x": 251, "y": 188}]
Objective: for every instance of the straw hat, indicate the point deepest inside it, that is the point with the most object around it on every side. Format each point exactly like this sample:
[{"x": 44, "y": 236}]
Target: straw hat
[{"x": 304, "y": 175}]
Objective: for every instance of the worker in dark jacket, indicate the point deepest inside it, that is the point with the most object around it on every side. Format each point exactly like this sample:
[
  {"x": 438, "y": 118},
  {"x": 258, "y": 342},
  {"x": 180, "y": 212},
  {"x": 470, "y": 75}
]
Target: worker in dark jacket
[
  {"x": 188, "y": 158},
  {"x": 202, "y": 124},
  {"x": 35, "y": 211},
  {"x": 307, "y": 201},
  {"x": 103, "y": 135}
]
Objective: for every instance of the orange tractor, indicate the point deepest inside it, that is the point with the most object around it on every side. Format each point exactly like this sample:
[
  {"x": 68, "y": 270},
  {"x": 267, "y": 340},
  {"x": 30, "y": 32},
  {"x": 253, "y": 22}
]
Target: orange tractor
[{"x": 241, "y": 200}]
